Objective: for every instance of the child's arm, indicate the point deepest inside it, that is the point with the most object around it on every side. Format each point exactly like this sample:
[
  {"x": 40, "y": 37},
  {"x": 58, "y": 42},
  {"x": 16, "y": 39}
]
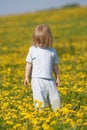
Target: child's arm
[
  {"x": 56, "y": 72},
  {"x": 27, "y": 73}
]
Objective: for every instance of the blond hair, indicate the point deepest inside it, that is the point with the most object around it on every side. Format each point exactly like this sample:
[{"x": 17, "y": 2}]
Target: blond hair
[{"x": 42, "y": 34}]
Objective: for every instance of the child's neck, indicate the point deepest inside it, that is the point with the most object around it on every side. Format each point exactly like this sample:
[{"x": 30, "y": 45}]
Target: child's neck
[{"x": 41, "y": 45}]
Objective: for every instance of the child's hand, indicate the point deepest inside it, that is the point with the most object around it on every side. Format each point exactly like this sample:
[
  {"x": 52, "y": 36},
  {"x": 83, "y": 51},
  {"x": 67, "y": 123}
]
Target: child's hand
[
  {"x": 26, "y": 82},
  {"x": 58, "y": 82}
]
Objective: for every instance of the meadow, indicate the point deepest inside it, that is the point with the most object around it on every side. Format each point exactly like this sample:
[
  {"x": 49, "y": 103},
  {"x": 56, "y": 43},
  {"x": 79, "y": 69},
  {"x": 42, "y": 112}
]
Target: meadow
[{"x": 69, "y": 28}]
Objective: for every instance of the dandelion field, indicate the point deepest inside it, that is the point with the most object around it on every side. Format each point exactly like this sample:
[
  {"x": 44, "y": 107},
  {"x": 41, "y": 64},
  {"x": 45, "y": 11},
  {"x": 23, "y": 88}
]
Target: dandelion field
[{"x": 69, "y": 28}]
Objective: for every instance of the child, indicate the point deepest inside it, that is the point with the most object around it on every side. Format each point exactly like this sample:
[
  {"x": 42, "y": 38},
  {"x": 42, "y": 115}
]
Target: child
[{"x": 41, "y": 61}]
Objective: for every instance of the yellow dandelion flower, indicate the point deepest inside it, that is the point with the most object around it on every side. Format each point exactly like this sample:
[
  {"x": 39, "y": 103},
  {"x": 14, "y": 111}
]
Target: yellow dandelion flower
[
  {"x": 17, "y": 126},
  {"x": 54, "y": 122},
  {"x": 45, "y": 126},
  {"x": 9, "y": 122}
]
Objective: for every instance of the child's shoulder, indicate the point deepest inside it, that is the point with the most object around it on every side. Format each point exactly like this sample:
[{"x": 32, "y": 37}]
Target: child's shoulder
[
  {"x": 53, "y": 49},
  {"x": 32, "y": 48}
]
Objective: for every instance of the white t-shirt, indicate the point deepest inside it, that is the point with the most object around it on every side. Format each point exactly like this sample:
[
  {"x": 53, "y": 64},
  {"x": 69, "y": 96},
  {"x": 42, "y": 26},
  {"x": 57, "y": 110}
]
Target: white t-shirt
[{"x": 42, "y": 60}]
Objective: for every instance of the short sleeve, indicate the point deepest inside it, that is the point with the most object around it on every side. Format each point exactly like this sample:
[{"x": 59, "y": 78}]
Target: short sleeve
[
  {"x": 29, "y": 56},
  {"x": 55, "y": 61}
]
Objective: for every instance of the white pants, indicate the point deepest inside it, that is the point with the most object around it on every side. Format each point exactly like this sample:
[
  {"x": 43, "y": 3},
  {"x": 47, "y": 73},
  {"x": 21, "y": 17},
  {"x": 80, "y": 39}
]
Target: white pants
[{"x": 45, "y": 91}]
